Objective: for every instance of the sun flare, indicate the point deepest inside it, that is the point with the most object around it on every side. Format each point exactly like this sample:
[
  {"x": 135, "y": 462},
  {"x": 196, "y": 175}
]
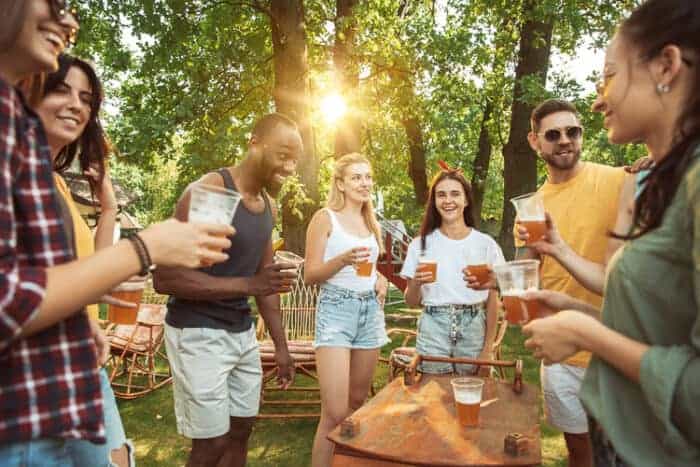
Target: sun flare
[{"x": 333, "y": 107}]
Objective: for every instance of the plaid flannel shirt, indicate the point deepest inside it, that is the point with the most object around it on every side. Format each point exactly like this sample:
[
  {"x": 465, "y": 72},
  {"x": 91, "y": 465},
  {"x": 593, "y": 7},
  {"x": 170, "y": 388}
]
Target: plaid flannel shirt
[{"x": 49, "y": 384}]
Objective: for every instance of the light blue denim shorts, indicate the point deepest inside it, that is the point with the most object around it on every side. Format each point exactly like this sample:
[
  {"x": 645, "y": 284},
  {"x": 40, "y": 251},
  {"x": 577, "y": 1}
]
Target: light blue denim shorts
[
  {"x": 45, "y": 452},
  {"x": 451, "y": 331},
  {"x": 350, "y": 319}
]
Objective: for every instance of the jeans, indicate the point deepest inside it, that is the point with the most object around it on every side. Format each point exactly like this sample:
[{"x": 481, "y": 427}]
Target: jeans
[{"x": 46, "y": 452}]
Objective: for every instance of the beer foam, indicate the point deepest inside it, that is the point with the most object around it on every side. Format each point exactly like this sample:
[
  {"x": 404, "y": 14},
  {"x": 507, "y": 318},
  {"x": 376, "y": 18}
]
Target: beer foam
[
  {"x": 468, "y": 397},
  {"x": 517, "y": 292}
]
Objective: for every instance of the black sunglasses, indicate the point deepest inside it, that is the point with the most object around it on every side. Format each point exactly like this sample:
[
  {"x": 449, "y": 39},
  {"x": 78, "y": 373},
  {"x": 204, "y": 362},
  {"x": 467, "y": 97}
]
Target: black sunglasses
[
  {"x": 554, "y": 135},
  {"x": 61, "y": 8}
]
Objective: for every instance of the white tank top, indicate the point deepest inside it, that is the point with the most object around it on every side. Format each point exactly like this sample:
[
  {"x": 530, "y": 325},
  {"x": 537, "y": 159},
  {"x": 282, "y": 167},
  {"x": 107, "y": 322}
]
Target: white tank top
[{"x": 340, "y": 241}]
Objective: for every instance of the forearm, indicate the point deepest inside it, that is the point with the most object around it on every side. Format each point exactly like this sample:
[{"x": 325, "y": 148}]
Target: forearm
[
  {"x": 589, "y": 274},
  {"x": 63, "y": 298},
  {"x": 269, "y": 309},
  {"x": 191, "y": 284},
  {"x": 491, "y": 321},
  {"x": 104, "y": 233},
  {"x": 617, "y": 350},
  {"x": 413, "y": 295},
  {"x": 319, "y": 273}
]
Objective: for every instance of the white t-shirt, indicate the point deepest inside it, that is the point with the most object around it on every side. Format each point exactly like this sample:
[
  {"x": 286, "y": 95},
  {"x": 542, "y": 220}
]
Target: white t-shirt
[{"x": 450, "y": 255}]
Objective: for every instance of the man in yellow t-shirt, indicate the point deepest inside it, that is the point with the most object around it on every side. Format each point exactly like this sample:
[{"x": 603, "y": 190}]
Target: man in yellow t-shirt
[{"x": 582, "y": 200}]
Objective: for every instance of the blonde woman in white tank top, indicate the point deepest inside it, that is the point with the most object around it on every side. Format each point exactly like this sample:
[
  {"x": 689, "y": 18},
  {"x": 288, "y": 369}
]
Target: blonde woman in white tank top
[{"x": 349, "y": 317}]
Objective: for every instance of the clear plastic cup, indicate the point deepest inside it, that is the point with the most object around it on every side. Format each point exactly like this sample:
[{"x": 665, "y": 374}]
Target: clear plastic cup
[
  {"x": 282, "y": 256},
  {"x": 364, "y": 268},
  {"x": 529, "y": 209},
  {"x": 467, "y": 394},
  {"x": 210, "y": 204},
  {"x": 477, "y": 263},
  {"x": 514, "y": 279},
  {"x": 426, "y": 264},
  {"x": 129, "y": 291}
]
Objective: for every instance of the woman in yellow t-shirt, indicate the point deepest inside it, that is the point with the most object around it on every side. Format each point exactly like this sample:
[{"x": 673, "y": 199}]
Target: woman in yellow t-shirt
[{"x": 69, "y": 109}]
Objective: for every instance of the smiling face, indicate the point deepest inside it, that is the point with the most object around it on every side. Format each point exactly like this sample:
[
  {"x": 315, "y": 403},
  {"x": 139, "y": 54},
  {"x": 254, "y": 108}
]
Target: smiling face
[
  {"x": 65, "y": 110},
  {"x": 40, "y": 41},
  {"x": 561, "y": 154},
  {"x": 277, "y": 154},
  {"x": 357, "y": 183},
  {"x": 450, "y": 200}
]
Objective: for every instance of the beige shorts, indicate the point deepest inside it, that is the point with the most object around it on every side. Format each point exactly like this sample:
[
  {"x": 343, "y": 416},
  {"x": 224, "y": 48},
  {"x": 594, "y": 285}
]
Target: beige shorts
[
  {"x": 216, "y": 375},
  {"x": 561, "y": 385}
]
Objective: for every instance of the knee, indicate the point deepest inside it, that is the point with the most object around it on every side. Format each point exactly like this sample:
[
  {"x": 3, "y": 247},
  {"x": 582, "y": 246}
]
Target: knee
[
  {"x": 333, "y": 417},
  {"x": 356, "y": 401},
  {"x": 241, "y": 428}
]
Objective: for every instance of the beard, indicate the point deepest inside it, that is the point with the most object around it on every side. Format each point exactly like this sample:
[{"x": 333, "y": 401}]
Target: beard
[
  {"x": 559, "y": 162},
  {"x": 267, "y": 173}
]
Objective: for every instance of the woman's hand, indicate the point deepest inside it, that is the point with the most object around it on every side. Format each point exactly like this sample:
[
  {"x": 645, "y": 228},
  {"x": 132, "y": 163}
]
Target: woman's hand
[
  {"x": 423, "y": 275},
  {"x": 359, "y": 254},
  {"x": 381, "y": 287},
  {"x": 474, "y": 283},
  {"x": 101, "y": 344},
  {"x": 105, "y": 192},
  {"x": 559, "y": 336},
  {"x": 182, "y": 244},
  {"x": 551, "y": 244}
]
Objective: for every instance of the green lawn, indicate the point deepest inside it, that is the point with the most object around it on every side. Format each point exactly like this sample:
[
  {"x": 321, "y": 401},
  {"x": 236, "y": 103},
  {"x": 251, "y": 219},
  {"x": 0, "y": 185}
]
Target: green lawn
[{"x": 150, "y": 423}]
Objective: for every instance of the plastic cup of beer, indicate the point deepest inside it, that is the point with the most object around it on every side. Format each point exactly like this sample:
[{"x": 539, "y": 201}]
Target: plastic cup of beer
[
  {"x": 282, "y": 256},
  {"x": 477, "y": 263},
  {"x": 530, "y": 212},
  {"x": 129, "y": 291},
  {"x": 426, "y": 264},
  {"x": 515, "y": 278},
  {"x": 210, "y": 204},
  {"x": 467, "y": 394},
  {"x": 364, "y": 268}
]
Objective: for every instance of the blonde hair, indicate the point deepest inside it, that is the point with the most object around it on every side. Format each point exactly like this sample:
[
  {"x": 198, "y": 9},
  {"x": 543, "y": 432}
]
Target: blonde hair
[{"x": 336, "y": 198}]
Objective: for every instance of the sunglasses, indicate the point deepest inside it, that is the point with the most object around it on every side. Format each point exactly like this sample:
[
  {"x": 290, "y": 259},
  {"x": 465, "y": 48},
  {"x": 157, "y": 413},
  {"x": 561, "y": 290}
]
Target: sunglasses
[
  {"x": 554, "y": 135},
  {"x": 61, "y": 8}
]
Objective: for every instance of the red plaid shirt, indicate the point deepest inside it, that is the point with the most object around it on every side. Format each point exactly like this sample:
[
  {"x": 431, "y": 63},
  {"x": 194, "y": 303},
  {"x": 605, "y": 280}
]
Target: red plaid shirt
[{"x": 49, "y": 384}]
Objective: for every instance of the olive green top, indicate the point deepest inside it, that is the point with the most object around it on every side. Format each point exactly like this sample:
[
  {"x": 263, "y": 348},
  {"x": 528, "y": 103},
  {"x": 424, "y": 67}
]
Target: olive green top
[{"x": 652, "y": 295}]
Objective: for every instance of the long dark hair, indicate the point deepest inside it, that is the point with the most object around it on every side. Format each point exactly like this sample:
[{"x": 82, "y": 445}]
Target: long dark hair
[
  {"x": 92, "y": 147},
  {"x": 431, "y": 218},
  {"x": 11, "y": 22},
  {"x": 650, "y": 28}
]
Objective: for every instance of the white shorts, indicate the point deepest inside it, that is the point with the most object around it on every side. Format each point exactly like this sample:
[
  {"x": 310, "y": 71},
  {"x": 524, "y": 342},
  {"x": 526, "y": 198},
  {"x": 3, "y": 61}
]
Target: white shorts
[
  {"x": 216, "y": 375},
  {"x": 562, "y": 408}
]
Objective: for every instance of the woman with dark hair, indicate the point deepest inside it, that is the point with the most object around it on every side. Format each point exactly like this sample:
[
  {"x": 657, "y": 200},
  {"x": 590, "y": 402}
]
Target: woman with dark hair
[
  {"x": 49, "y": 380},
  {"x": 69, "y": 108},
  {"x": 457, "y": 321},
  {"x": 642, "y": 388}
]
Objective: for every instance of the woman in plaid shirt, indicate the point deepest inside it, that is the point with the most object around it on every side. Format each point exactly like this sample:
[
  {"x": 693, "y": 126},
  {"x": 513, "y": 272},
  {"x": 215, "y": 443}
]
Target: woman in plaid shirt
[{"x": 49, "y": 387}]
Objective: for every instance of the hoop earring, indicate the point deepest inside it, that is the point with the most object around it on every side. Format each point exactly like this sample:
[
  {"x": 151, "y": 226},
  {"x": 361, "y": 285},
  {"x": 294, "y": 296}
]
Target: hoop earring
[{"x": 662, "y": 88}]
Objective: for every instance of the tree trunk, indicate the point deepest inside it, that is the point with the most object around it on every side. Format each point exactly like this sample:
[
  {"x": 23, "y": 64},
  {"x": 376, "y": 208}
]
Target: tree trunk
[
  {"x": 291, "y": 95},
  {"x": 347, "y": 136},
  {"x": 520, "y": 162},
  {"x": 480, "y": 168},
  {"x": 416, "y": 167}
]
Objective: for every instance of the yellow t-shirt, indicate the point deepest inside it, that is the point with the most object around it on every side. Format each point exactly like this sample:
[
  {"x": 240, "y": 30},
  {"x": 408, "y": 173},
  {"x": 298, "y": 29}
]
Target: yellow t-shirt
[
  {"x": 84, "y": 241},
  {"x": 584, "y": 209}
]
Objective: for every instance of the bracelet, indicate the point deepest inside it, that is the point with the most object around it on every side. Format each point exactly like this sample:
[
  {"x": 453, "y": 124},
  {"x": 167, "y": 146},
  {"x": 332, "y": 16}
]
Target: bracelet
[{"x": 142, "y": 252}]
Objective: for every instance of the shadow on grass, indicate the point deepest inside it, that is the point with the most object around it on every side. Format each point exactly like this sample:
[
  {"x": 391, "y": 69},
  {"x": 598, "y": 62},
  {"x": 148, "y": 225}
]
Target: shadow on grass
[{"x": 150, "y": 423}]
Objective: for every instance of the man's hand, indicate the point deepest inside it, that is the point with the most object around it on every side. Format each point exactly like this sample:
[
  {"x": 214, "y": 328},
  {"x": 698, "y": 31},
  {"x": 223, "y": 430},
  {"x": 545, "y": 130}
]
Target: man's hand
[
  {"x": 275, "y": 278},
  {"x": 551, "y": 244},
  {"x": 101, "y": 343},
  {"x": 285, "y": 368},
  {"x": 643, "y": 163},
  {"x": 381, "y": 287}
]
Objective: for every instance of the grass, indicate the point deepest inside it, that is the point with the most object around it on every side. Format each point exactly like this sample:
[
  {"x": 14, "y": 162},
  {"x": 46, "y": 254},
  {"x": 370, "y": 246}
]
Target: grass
[{"x": 150, "y": 423}]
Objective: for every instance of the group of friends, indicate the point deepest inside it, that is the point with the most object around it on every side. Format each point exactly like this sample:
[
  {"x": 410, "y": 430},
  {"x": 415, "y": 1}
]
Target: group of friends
[{"x": 619, "y": 266}]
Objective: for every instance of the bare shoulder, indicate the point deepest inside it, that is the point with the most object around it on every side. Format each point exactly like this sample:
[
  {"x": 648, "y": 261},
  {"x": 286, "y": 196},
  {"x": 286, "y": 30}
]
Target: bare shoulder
[{"x": 321, "y": 221}]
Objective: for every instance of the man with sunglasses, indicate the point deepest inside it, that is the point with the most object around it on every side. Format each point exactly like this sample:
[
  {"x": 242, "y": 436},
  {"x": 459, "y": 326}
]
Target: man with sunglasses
[{"x": 582, "y": 200}]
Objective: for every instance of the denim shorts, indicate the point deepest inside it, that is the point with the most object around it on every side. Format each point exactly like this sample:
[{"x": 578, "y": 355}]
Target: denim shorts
[
  {"x": 84, "y": 452},
  {"x": 451, "y": 331},
  {"x": 349, "y": 319},
  {"x": 45, "y": 452}
]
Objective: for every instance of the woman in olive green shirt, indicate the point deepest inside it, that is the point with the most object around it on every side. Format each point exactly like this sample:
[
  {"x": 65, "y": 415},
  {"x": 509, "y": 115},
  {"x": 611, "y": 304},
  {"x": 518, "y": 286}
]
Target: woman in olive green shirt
[{"x": 642, "y": 389}]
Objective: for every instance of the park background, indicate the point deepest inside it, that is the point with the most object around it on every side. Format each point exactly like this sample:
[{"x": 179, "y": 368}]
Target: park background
[{"x": 405, "y": 82}]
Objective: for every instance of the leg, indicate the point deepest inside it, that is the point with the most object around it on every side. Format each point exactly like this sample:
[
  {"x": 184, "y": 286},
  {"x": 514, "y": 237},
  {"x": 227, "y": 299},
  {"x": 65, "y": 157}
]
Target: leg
[
  {"x": 561, "y": 384},
  {"x": 471, "y": 333},
  {"x": 237, "y": 449},
  {"x": 579, "y": 447},
  {"x": 333, "y": 367},
  {"x": 201, "y": 360},
  {"x": 434, "y": 339},
  {"x": 362, "y": 365}
]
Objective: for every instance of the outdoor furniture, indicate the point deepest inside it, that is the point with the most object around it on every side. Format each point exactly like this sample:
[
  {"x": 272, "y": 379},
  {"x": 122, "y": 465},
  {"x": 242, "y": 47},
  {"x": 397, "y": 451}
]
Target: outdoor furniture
[
  {"x": 412, "y": 421},
  {"x": 402, "y": 356},
  {"x": 138, "y": 364},
  {"x": 298, "y": 309}
]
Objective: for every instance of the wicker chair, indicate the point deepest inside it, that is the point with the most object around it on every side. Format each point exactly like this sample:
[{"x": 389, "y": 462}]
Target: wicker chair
[
  {"x": 298, "y": 309},
  {"x": 138, "y": 363}
]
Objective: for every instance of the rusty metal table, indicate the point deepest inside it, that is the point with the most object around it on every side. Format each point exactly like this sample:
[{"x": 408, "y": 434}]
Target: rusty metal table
[{"x": 417, "y": 425}]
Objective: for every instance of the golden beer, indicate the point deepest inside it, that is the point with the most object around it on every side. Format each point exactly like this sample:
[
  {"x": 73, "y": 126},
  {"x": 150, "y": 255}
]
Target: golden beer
[
  {"x": 364, "y": 269},
  {"x": 468, "y": 414},
  {"x": 520, "y": 311},
  {"x": 480, "y": 271},
  {"x": 535, "y": 229},
  {"x": 129, "y": 292},
  {"x": 427, "y": 265}
]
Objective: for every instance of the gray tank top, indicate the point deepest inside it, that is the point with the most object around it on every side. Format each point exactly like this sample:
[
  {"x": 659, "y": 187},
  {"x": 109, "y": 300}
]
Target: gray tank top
[{"x": 253, "y": 233}]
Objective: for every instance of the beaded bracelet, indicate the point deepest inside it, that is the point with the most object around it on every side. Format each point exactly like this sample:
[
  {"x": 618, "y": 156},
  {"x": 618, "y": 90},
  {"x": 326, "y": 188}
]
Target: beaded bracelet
[{"x": 142, "y": 252}]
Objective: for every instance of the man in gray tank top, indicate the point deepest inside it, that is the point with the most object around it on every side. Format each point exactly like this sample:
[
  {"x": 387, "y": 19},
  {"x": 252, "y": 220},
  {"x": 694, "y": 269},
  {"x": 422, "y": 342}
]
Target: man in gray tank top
[{"x": 209, "y": 332}]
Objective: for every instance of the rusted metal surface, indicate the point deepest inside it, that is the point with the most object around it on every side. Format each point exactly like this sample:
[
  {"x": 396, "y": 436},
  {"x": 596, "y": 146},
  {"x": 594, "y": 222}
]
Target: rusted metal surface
[{"x": 417, "y": 425}]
